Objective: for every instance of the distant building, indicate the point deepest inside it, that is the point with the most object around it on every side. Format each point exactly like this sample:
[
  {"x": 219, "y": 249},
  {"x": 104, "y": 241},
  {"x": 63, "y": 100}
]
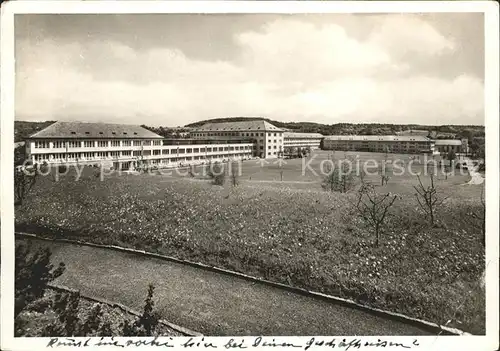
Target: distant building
[
  {"x": 444, "y": 146},
  {"x": 412, "y": 132},
  {"x": 269, "y": 141},
  {"x": 379, "y": 143},
  {"x": 125, "y": 146},
  {"x": 302, "y": 140}
]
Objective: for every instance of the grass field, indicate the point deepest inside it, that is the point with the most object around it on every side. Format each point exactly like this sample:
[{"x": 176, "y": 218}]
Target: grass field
[{"x": 290, "y": 231}]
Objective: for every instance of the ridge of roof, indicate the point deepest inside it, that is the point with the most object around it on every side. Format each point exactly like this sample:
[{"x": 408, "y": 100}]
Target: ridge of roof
[{"x": 93, "y": 130}]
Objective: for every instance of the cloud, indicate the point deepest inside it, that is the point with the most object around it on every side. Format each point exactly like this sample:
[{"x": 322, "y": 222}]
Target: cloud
[{"x": 287, "y": 70}]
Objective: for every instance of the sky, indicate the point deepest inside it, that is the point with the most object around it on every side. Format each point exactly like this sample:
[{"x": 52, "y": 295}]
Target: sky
[{"x": 175, "y": 69}]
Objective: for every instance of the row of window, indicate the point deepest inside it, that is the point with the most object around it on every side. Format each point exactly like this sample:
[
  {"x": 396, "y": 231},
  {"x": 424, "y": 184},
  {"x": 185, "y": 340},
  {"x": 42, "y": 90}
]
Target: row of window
[
  {"x": 111, "y": 154},
  {"x": 193, "y": 158},
  {"x": 233, "y": 134},
  {"x": 93, "y": 143}
]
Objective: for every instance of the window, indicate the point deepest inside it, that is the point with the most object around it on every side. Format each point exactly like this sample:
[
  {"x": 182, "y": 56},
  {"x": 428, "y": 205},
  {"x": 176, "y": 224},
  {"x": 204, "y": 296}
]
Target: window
[
  {"x": 156, "y": 152},
  {"x": 126, "y": 143},
  {"x": 157, "y": 142},
  {"x": 165, "y": 151},
  {"x": 102, "y": 143},
  {"x": 196, "y": 150},
  {"x": 137, "y": 153},
  {"x": 269, "y": 141},
  {"x": 115, "y": 153},
  {"x": 181, "y": 151},
  {"x": 74, "y": 144},
  {"x": 58, "y": 144},
  {"x": 88, "y": 143},
  {"x": 115, "y": 143},
  {"x": 147, "y": 152},
  {"x": 269, "y": 153},
  {"x": 262, "y": 147},
  {"x": 221, "y": 149},
  {"x": 137, "y": 143},
  {"x": 126, "y": 153},
  {"x": 189, "y": 150},
  {"x": 275, "y": 146},
  {"x": 42, "y": 144},
  {"x": 269, "y": 147},
  {"x": 226, "y": 148},
  {"x": 209, "y": 149},
  {"x": 146, "y": 142}
]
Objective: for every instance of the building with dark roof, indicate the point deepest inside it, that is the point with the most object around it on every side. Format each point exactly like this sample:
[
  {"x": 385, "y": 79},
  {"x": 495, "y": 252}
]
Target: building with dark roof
[
  {"x": 123, "y": 146},
  {"x": 269, "y": 140}
]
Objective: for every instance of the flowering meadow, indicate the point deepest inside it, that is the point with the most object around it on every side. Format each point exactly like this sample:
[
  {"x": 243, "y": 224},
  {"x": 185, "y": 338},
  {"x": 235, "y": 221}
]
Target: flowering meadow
[{"x": 302, "y": 237}]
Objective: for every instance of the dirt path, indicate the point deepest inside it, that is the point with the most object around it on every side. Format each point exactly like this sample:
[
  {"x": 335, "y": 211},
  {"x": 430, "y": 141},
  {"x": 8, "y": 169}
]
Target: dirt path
[{"x": 208, "y": 302}]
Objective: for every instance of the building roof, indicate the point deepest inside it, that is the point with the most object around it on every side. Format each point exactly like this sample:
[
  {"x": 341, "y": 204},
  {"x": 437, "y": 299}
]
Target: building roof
[
  {"x": 413, "y": 132},
  {"x": 303, "y": 135},
  {"x": 445, "y": 142},
  {"x": 256, "y": 125},
  {"x": 94, "y": 130},
  {"x": 378, "y": 137}
]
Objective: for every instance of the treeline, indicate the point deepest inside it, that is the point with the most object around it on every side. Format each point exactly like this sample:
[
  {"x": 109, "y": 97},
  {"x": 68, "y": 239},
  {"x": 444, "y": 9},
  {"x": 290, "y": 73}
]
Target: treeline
[
  {"x": 23, "y": 129},
  {"x": 457, "y": 131}
]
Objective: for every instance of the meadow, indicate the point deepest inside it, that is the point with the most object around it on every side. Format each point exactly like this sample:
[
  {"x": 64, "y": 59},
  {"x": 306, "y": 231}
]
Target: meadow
[{"x": 289, "y": 231}]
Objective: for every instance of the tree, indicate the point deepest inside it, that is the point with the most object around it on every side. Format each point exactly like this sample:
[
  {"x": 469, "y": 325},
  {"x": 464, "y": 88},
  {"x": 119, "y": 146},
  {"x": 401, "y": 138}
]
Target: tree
[
  {"x": 428, "y": 198},
  {"x": 373, "y": 207},
  {"x": 451, "y": 156},
  {"x": 339, "y": 179},
  {"x": 147, "y": 323},
  {"x": 480, "y": 215},
  {"x": 33, "y": 272},
  {"x": 24, "y": 180},
  {"x": 234, "y": 174},
  {"x": 383, "y": 168},
  {"x": 217, "y": 173}
]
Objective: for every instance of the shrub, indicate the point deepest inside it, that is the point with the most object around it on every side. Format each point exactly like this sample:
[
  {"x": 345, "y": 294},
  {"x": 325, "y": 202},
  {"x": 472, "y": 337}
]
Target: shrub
[
  {"x": 147, "y": 323},
  {"x": 33, "y": 272},
  {"x": 217, "y": 172}
]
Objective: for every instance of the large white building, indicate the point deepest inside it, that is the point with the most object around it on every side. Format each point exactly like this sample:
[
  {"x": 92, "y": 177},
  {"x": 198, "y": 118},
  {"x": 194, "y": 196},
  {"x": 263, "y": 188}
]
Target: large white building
[
  {"x": 380, "y": 143},
  {"x": 444, "y": 146},
  {"x": 125, "y": 146},
  {"x": 302, "y": 140},
  {"x": 267, "y": 139}
]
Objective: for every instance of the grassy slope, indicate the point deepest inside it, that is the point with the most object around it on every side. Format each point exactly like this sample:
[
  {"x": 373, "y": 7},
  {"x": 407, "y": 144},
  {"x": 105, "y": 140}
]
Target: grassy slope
[{"x": 304, "y": 237}]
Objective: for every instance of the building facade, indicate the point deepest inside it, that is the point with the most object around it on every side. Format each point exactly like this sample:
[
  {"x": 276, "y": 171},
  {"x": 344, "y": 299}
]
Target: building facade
[
  {"x": 444, "y": 146},
  {"x": 302, "y": 140},
  {"x": 379, "y": 143},
  {"x": 268, "y": 140},
  {"x": 125, "y": 146}
]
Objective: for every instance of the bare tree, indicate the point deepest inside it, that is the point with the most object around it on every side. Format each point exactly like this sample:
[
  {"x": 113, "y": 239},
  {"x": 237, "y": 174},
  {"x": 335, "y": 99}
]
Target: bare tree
[
  {"x": 24, "y": 180},
  {"x": 373, "y": 207},
  {"x": 428, "y": 198},
  {"x": 480, "y": 215},
  {"x": 234, "y": 174},
  {"x": 339, "y": 179}
]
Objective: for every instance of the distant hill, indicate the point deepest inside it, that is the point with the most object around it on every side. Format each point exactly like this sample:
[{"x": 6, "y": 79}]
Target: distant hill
[{"x": 23, "y": 129}]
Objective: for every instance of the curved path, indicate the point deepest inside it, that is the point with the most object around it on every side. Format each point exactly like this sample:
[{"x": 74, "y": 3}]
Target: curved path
[{"x": 209, "y": 302}]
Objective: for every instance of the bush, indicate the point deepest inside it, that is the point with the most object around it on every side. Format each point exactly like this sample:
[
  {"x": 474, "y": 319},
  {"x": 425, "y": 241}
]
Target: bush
[
  {"x": 217, "y": 172},
  {"x": 147, "y": 323},
  {"x": 33, "y": 272}
]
